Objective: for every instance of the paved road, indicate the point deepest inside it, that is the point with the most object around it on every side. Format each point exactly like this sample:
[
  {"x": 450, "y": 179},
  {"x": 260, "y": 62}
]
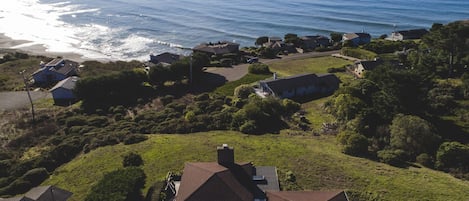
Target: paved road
[
  {"x": 238, "y": 71},
  {"x": 19, "y": 99}
]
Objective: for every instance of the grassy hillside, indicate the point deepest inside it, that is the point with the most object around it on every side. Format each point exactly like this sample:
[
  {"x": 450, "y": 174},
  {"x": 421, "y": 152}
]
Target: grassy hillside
[
  {"x": 309, "y": 65},
  {"x": 316, "y": 162}
]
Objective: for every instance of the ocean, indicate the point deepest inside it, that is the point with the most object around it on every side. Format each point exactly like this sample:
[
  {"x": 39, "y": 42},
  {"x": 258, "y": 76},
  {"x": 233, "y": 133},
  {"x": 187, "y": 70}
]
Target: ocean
[{"x": 127, "y": 30}]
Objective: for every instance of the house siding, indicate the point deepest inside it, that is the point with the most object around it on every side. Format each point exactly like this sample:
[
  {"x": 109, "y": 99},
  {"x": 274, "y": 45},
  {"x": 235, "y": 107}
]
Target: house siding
[{"x": 61, "y": 93}]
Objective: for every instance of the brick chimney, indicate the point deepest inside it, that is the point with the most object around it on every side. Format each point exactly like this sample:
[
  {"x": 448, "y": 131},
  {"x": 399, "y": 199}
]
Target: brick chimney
[{"x": 225, "y": 155}]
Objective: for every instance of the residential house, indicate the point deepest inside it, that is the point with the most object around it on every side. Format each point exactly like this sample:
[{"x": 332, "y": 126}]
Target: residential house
[
  {"x": 229, "y": 181},
  {"x": 275, "y": 43},
  {"x": 54, "y": 71},
  {"x": 312, "y": 42},
  {"x": 299, "y": 85},
  {"x": 224, "y": 180},
  {"x": 43, "y": 193},
  {"x": 165, "y": 58},
  {"x": 62, "y": 92},
  {"x": 219, "y": 48},
  {"x": 307, "y": 196},
  {"x": 407, "y": 34},
  {"x": 362, "y": 66},
  {"x": 357, "y": 38}
]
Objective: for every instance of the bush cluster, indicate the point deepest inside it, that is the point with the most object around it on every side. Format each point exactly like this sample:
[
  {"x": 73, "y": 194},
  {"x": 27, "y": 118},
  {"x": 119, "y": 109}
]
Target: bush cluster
[
  {"x": 119, "y": 185},
  {"x": 259, "y": 68}
]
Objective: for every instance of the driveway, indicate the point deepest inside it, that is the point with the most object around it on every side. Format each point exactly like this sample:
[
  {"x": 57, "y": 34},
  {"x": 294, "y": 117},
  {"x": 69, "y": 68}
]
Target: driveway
[
  {"x": 19, "y": 99},
  {"x": 238, "y": 71}
]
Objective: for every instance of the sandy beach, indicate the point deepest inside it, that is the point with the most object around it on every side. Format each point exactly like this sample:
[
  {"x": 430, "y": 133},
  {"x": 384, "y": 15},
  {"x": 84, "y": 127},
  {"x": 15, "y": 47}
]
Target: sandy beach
[{"x": 36, "y": 49}]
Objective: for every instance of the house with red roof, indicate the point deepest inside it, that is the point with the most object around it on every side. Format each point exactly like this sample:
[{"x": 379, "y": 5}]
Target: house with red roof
[{"x": 230, "y": 181}]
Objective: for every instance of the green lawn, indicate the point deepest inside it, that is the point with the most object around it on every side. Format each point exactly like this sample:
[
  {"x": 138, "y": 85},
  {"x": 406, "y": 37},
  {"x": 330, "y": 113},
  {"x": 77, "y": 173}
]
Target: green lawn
[
  {"x": 228, "y": 88},
  {"x": 316, "y": 162},
  {"x": 310, "y": 65},
  {"x": 316, "y": 114}
]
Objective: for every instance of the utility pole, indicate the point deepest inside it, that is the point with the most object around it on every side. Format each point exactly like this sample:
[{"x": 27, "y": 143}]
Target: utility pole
[
  {"x": 190, "y": 64},
  {"x": 26, "y": 83},
  {"x": 190, "y": 71}
]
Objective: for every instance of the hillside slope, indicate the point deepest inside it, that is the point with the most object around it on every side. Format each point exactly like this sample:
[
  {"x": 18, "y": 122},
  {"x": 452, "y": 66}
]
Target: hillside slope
[{"x": 315, "y": 161}]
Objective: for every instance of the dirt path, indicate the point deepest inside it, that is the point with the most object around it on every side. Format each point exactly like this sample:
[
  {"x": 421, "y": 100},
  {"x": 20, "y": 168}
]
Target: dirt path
[
  {"x": 238, "y": 71},
  {"x": 19, "y": 99}
]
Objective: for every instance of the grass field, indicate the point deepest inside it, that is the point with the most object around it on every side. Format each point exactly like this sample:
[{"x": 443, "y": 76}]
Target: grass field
[
  {"x": 228, "y": 88},
  {"x": 316, "y": 162},
  {"x": 310, "y": 65}
]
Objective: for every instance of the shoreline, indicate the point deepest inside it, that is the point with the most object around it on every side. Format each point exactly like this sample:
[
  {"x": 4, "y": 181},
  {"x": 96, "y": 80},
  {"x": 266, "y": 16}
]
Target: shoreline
[{"x": 28, "y": 47}]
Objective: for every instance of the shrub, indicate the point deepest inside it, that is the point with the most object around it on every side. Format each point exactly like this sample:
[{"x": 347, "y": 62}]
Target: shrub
[
  {"x": 452, "y": 155},
  {"x": 290, "y": 106},
  {"x": 259, "y": 68},
  {"x": 119, "y": 185},
  {"x": 249, "y": 127},
  {"x": 76, "y": 121},
  {"x": 98, "y": 121},
  {"x": 134, "y": 138},
  {"x": 392, "y": 157},
  {"x": 30, "y": 179},
  {"x": 166, "y": 99},
  {"x": 190, "y": 116},
  {"x": 425, "y": 160},
  {"x": 132, "y": 159},
  {"x": 353, "y": 143},
  {"x": 336, "y": 70},
  {"x": 202, "y": 97},
  {"x": 243, "y": 91},
  {"x": 36, "y": 176},
  {"x": 5, "y": 166}
]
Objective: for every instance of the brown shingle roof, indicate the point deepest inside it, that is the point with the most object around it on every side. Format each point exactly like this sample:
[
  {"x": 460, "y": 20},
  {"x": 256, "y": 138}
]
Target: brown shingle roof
[
  {"x": 212, "y": 181},
  {"x": 307, "y": 196}
]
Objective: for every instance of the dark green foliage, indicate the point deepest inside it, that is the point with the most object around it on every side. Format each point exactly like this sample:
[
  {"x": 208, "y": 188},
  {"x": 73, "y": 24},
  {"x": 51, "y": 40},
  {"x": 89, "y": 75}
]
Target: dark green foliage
[
  {"x": 408, "y": 87},
  {"x": 249, "y": 127},
  {"x": 261, "y": 40},
  {"x": 5, "y": 166},
  {"x": 387, "y": 46},
  {"x": 119, "y": 185},
  {"x": 243, "y": 91},
  {"x": 449, "y": 48},
  {"x": 292, "y": 38},
  {"x": 336, "y": 37},
  {"x": 259, "y": 68},
  {"x": 392, "y": 157},
  {"x": 346, "y": 107},
  {"x": 29, "y": 180},
  {"x": 425, "y": 160},
  {"x": 134, "y": 138},
  {"x": 465, "y": 85},
  {"x": 413, "y": 135},
  {"x": 353, "y": 143},
  {"x": 290, "y": 106},
  {"x": 101, "y": 92},
  {"x": 268, "y": 53},
  {"x": 265, "y": 114},
  {"x": 453, "y": 155},
  {"x": 166, "y": 99},
  {"x": 132, "y": 159},
  {"x": 441, "y": 98},
  {"x": 336, "y": 70},
  {"x": 36, "y": 176}
]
